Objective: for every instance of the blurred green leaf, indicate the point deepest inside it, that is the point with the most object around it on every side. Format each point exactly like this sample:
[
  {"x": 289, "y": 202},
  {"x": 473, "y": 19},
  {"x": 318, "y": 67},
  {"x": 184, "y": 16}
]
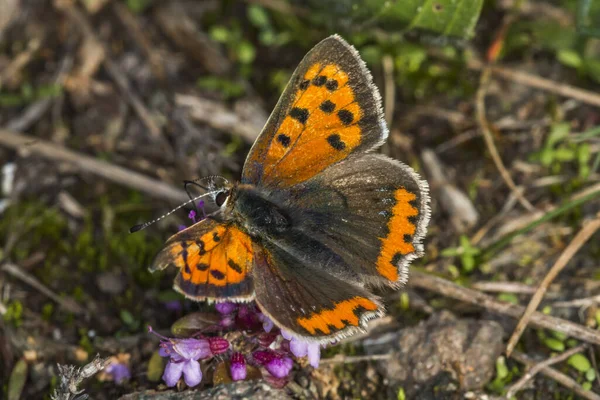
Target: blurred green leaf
[
  {"x": 570, "y": 58},
  {"x": 590, "y": 374},
  {"x": 17, "y": 380},
  {"x": 258, "y": 16},
  {"x": 155, "y": 367},
  {"x": 138, "y": 6},
  {"x": 579, "y": 362},
  {"x": 246, "y": 52},
  {"x": 554, "y": 344},
  {"x": 219, "y": 33},
  {"x": 448, "y": 17}
]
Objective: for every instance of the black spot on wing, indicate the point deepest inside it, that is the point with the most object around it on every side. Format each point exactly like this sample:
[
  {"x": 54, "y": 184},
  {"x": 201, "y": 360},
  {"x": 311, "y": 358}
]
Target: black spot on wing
[
  {"x": 327, "y": 106},
  {"x": 335, "y": 142},
  {"x": 304, "y": 84},
  {"x": 216, "y": 237},
  {"x": 283, "y": 139},
  {"x": 319, "y": 80},
  {"x": 396, "y": 259},
  {"x": 331, "y": 85},
  {"x": 201, "y": 249},
  {"x": 217, "y": 274},
  {"x": 201, "y": 266},
  {"x": 345, "y": 116},
  {"x": 407, "y": 238},
  {"x": 235, "y": 266},
  {"x": 299, "y": 114}
]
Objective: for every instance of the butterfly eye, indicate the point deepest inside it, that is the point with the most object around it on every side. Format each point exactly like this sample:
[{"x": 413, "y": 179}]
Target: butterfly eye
[{"x": 221, "y": 198}]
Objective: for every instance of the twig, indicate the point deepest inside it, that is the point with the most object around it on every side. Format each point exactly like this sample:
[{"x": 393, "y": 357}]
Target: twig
[
  {"x": 590, "y": 193},
  {"x": 219, "y": 117},
  {"x": 557, "y": 376},
  {"x": 489, "y": 141},
  {"x": 518, "y": 385},
  {"x": 585, "y": 302},
  {"x": 584, "y": 234},
  {"x": 343, "y": 359},
  {"x": 452, "y": 290},
  {"x": 524, "y": 78},
  {"x": 503, "y": 287},
  {"x": 120, "y": 79},
  {"x": 91, "y": 165},
  {"x": 65, "y": 302}
]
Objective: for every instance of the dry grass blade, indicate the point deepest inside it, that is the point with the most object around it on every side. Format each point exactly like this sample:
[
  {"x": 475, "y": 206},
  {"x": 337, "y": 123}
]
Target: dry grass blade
[
  {"x": 452, "y": 290},
  {"x": 65, "y": 302},
  {"x": 584, "y": 234},
  {"x": 489, "y": 141},
  {"x": 90, "y": 165},
  {"x": 514, "y": 389}
]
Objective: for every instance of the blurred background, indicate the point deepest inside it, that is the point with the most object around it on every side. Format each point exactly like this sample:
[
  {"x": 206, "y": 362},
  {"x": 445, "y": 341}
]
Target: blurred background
[{"x": 106, "y": 106}]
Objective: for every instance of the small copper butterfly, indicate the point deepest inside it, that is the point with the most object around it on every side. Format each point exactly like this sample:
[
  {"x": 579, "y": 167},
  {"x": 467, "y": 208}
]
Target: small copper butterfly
[{"x": 318, "y": 219}]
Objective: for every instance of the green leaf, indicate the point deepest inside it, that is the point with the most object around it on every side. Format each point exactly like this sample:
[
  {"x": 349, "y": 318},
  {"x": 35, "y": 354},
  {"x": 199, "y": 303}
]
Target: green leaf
[
  {"x": 501, "y": 368},
  {"x": 219, "y": 33},
  {"x": 579, "y": 362},
  {"x": 570, "y": 58},
  {"x": 17, "y": 379},
  {"x": 590, "y": 374},
  {"x": 554, "y": 344},
  {"x": 246, "y": 52},
  {"x": 558, "y": 132},
  {"x": 155, "y": 367},
  {"x": 258, "y": 16},
  {"x": 401, "y": 394}
]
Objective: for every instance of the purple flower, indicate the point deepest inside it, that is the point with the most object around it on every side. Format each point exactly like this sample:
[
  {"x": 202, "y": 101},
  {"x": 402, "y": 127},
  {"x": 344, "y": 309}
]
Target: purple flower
[
  {"x": 181, "y": 227},
  {"x": 184, "y": 355},
  {"x": 192, "y": 216},
  {"x": 266, "y": 321},
  {"x": 238, "y": 367},
  {"x": 226, "y": 308},
  {"x": 120, "y": 372},
  {"x": 276, "y": 364},
  {"x": 301, "y": 348}
]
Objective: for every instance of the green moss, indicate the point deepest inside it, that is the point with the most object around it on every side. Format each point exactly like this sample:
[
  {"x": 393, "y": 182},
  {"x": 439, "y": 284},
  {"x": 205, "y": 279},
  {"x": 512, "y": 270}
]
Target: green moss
[{"x": 14, "y": 313}]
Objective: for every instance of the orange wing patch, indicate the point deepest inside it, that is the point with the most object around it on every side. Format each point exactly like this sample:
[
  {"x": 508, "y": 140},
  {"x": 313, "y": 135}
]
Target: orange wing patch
[
  {"x": 322, "y": 125},
  {"x": 220, "y": 257},
  {"x": 343, "y": 314},
  {"x": 401, "y": 230}
]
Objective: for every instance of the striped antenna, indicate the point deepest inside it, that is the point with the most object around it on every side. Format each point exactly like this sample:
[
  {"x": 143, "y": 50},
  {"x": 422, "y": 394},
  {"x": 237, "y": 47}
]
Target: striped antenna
[{"x": 139, "y": 227}]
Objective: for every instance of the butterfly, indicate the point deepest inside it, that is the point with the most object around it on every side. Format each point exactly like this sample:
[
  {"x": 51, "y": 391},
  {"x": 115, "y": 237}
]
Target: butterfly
[{"x": 318, "y": 219}]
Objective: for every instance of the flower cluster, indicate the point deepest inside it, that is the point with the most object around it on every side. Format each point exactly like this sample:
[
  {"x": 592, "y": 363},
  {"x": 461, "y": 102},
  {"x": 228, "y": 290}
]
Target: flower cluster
[{"x": 260, "y": 345}]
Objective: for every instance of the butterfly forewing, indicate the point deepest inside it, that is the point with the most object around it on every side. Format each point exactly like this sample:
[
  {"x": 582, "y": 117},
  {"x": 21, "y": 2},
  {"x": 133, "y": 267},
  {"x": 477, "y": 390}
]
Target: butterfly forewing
[{"x": 329, "y": 110}]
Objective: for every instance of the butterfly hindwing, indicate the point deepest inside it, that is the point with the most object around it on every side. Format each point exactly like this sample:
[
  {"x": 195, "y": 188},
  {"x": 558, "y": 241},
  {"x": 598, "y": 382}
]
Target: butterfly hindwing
[
  {"x": 308, "y": 302},
  {"x": 214, "y": 261},
  {"x": 372, "y": 211},
  {"x": 329, "y": 110}
]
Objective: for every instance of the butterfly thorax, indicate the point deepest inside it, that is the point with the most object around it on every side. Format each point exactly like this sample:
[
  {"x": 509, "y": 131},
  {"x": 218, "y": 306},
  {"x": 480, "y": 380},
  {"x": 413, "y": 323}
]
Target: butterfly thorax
[{"x": 256, "y": 213}]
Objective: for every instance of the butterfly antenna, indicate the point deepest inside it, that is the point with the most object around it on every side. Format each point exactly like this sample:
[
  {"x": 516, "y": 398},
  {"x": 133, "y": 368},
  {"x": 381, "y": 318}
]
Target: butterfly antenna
[{"x": 139, "y": 227}]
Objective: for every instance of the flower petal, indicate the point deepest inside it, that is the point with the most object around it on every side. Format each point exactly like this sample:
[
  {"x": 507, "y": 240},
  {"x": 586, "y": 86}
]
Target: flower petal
[
  {"x": 192, "y": 374},
  {"x": 314, "y": 354},
  {"x": 238, "y": 367},
  {"x": 172, "y": 373},
  {"x": 192, "y": 349},
  {"x": 299, "y": 348},
  {"x": 226, "y": 307},
  {"x": 280, "y": 366}
]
